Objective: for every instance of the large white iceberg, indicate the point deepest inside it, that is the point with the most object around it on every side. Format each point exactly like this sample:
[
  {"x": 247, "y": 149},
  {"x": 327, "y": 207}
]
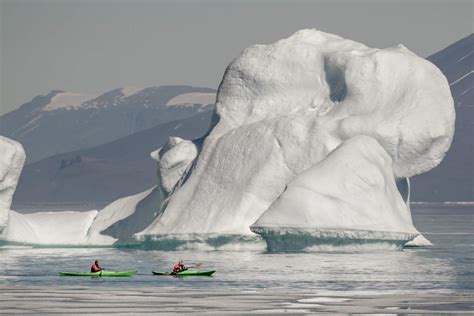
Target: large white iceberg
[
  {"x": 283, "y": 108},
  {"x": 313, "y": 140}
]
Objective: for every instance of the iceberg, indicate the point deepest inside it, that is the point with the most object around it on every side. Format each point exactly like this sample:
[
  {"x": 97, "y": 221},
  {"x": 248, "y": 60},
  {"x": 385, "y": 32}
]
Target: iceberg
[
  {"x": 312, "y": 144},
  {"x": 284, "y": 113},
  {"x": 49, "y": 228}
]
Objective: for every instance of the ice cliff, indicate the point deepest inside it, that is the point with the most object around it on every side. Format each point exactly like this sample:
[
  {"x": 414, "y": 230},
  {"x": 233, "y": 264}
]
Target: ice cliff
[{"x": 286, "y": 152}]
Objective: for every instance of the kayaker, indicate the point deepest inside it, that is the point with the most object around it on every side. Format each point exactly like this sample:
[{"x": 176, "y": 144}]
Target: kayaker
[
  {"x": 179, "y": 267},
  {"x": 95, "y": 267}
]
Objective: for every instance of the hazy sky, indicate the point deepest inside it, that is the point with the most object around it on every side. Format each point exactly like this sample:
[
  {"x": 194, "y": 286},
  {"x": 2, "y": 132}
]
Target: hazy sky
[{"x": 97, "y": 45}]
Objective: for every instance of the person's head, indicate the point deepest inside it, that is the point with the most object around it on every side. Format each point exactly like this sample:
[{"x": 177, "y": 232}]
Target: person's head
[
  {"x": 96, "y": 262},
  {"x": 180, "y": 261}
]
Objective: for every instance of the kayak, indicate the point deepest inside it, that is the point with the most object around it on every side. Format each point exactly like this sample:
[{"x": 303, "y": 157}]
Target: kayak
[
  {"x": 102, "y": 273},
  {"x": 187, "y": 273}
]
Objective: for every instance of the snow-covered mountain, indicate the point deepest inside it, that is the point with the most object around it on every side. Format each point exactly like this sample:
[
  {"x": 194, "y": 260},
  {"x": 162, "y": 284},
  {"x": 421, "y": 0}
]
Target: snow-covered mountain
[
  {"x": 453, "y": 179},
  {"x": 62, "y": 121}
]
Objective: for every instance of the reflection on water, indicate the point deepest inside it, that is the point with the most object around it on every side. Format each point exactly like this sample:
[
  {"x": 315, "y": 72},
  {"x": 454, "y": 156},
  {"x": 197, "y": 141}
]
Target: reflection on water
[{"x": 446, "y": 267}]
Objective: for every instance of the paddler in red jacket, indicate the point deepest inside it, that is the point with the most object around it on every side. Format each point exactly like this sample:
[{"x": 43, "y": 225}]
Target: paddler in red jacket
[
  {"x": 95, "y": 267},
  {"x": 179, "y": 267}
]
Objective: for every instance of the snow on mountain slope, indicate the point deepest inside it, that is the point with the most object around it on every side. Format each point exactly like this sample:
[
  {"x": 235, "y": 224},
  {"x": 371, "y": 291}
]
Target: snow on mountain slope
[
  {"x": 12, "y": 158},
  {"x": 192, "y": 98},
  {"x": 62, "y": 122},
  {"x": 128, "y": 91},
  {"x": 67, "y": 100},
  {"x": 282, "y": 108}
]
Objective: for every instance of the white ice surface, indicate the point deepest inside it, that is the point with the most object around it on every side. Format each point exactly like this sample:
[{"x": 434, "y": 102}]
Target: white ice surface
[
  {"x": 12, "y": 158},
  {"x": 174, "y": 158},
  {"x": 419, "y": 241},
  {"x": 111, "y": 214},
  {"x": 353, "y": 188},
  {"x": 71, "y": 228},
  {"x": 49, "y": 228},
  {"x": 282, "y": 108}
]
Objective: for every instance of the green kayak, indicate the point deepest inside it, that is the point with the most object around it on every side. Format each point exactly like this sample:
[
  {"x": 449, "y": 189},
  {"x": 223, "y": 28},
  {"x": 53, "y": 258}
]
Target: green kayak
[
  {"x": 187, "y": 273},
  {"x": 102, "y": 273}
]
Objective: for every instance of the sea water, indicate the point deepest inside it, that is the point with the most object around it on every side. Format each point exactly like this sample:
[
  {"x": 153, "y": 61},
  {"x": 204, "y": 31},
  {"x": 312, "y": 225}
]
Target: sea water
[{"x": 447, "y": 267}]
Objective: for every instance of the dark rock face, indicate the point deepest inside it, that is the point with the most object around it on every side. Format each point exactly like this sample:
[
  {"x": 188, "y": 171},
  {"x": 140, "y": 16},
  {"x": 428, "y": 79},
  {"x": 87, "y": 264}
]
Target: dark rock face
[{"x": 453, "y": 180}]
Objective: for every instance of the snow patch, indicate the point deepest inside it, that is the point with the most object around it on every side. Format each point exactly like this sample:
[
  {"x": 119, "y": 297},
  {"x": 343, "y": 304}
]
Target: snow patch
[
  {"x": 128, "y": 91},
  {"x": 189, "y": 99},
  {"x": 68, "y": 100},
  {"x": 461, "y": 78}
]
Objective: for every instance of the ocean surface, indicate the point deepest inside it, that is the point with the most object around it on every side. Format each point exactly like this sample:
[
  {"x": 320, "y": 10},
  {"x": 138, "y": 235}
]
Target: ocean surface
[{"x": 447, "y": 267}]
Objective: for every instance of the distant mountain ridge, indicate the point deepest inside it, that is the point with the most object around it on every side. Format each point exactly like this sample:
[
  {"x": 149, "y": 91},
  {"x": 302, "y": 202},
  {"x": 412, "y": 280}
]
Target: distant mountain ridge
[
  {"x": 61, "y": 121},
  {"x": 106, "y": 172},
  {"x": 453, "y": 179}
]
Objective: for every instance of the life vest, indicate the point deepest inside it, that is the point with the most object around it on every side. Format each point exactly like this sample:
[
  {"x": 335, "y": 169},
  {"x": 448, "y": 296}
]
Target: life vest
[
  {"x": 177, "y": 267},
  {"x": 95, "y": 268}
]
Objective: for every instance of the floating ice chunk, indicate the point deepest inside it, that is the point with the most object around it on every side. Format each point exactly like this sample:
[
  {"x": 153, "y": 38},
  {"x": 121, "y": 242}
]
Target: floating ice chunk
[
  {"x": 49, "y": 228},
  {"x": 419, "y": 241}
]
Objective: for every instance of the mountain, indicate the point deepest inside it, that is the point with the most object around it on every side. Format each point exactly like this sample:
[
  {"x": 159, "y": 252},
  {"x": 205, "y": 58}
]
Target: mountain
[
  {"x": 106, "y": 172},
  {"x": 61, "y": 121},
  {"x": 452, "y": 180}
]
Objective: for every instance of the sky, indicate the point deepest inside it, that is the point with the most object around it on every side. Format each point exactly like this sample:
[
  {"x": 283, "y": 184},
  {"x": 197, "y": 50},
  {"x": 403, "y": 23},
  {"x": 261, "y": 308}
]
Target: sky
[{"x": 93, "y": 46}]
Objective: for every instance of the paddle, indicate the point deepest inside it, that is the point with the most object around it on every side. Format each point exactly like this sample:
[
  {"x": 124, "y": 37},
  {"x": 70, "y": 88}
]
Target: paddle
[{"x": 197, "y": 265}]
